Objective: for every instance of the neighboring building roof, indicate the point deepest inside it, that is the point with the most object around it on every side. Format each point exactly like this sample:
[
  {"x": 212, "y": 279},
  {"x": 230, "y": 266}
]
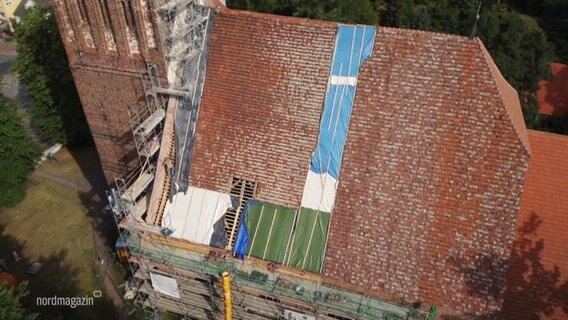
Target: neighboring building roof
[
  {"x": 433, "y": 165},
  {"x": 262, "y": 100},
  {"x": 25, "y": 4},
  {"x": 9, "y": 280},
  {"x": 431, "y": 176},
  {"x": 553, "y": 95},
  {"x": 537, "y": 280}
]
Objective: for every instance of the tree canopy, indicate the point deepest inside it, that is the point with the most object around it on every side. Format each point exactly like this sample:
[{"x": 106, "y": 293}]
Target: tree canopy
[
  {"x": 348, "y": 11},
  {"x": 10, "y": 303},
  {"x": 18, "y": 154},
  {"x": 552, "y": 16},
  {"x": 42, "y": 66}
]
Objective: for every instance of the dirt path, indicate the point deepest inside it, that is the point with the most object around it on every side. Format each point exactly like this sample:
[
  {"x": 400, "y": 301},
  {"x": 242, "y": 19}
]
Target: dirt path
[
  {"x": 61, "y": 181},
  {"x": 113, "y": 295}
]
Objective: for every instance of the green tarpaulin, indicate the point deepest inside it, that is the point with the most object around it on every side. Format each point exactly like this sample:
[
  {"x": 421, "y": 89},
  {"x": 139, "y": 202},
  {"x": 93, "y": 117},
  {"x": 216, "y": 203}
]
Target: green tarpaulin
[
  {"x": 270, "y": 229},
  {"x": 308, "y": 242},
  {"x": 273, "y": 236}
]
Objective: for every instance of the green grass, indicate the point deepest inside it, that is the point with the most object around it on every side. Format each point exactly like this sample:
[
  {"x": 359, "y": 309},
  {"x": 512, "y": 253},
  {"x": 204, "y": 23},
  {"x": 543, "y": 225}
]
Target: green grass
[
  {"x": 51, "y": 226},
  {"x": 67, "y": 165}
]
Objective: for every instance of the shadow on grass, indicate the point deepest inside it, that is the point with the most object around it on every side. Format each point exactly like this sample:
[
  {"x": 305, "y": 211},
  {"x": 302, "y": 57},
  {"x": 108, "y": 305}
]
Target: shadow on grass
[
  {"x": 56, "y": 279},
  {"x": 109, "y": 272},
  {"x": 531, "y": 290},
  {"x": 94, "y": 199}
]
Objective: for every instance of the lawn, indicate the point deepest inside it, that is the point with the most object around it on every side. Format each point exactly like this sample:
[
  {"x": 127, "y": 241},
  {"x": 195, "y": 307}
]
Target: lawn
[
  {"x": 72, "y": 166},
  {"x": 52, "y": 226}
]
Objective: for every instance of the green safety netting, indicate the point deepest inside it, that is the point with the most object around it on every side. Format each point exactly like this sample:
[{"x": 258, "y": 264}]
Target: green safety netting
[
  {"x": 307, "y": 247},
  {"x": 320, "y": 296}
]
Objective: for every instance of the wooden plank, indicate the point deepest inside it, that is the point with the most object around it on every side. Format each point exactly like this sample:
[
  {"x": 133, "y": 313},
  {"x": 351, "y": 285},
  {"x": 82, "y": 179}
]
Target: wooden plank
[
  {"x": 139, "y": 185},
  {"x": 150, "y": 123},
  {"x": 160, "y": 189}
]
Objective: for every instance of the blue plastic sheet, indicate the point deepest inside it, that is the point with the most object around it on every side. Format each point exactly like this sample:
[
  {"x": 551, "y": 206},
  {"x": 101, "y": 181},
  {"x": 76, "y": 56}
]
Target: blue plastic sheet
[
  {"x": 354, "y": 45},
  {"x": 241, "y": 242}
]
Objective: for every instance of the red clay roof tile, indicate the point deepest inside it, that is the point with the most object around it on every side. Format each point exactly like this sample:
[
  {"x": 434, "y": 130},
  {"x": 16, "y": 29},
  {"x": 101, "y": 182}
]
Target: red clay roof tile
[
  {"x": 263, "y": 94},
  {"x": 537, "y": 280},
  {"x": 431, "y": 175},
  {"x": 553, "y": 95}
]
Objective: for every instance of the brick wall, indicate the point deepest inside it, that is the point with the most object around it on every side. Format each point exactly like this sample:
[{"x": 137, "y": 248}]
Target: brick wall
[{"x": 106, "y": 65}]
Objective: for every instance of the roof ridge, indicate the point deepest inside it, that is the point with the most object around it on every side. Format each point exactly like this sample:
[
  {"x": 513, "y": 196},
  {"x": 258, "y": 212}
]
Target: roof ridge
[
  {"x": 279, "y": 18},
  {"x": 520, "y": 129},
  {"x": 446, "y": 35}
]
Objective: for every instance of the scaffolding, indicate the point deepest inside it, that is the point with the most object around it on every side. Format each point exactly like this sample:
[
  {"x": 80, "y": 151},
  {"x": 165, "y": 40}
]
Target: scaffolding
[
  {"x": 164, "y": 264},
  {"x": 257, "y": 293},
  {"x": 183, "y": 28}
]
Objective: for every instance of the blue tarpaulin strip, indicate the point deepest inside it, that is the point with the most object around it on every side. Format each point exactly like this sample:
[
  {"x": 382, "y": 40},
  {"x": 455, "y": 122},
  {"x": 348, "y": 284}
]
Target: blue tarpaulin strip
[
  {"x": 354, "y": 45},
  {"x": 241, "y": 242}
]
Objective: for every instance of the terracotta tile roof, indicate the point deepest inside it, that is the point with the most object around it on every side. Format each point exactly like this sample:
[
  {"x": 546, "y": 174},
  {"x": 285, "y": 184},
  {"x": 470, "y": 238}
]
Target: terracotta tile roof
[
  {"x": 431, "y": 175},
  {"x": 553, "y": 95},
  {"x": 510, "y": 98},
  {"x": 263, "y": 94},
  {"x": 433, "y": 164},
  {"x": 537, "y": 280}
]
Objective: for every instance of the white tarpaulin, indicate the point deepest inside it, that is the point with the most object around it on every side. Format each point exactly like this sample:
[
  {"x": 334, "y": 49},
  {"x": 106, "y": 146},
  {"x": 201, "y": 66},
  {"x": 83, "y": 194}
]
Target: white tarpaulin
[
  {"x": 192, "y": 216},
  {"x": 319, "y": 191},
  {"x": 165, "y": 285}
]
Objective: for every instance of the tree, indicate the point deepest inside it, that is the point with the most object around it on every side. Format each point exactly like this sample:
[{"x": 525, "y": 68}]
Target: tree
[
  {"x": 348, "y": 11},
  {"x": 554, "y": 20},
  {"x": 18, "y": 154},
  {"x": 42, "y": 65},
  {"x": 399, "y": 13},
  {"x": 520, "y": 52},
  {"x": 10, "y": 303}
]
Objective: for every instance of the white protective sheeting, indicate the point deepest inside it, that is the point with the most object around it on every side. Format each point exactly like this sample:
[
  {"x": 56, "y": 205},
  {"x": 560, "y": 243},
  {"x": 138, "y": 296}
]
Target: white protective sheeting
[
  {"x": 165, "y": 285},
  {"x": 343, "y": 80},
  {"x": 192, "y": 216},
  {"x": 319, "y": 192}
]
